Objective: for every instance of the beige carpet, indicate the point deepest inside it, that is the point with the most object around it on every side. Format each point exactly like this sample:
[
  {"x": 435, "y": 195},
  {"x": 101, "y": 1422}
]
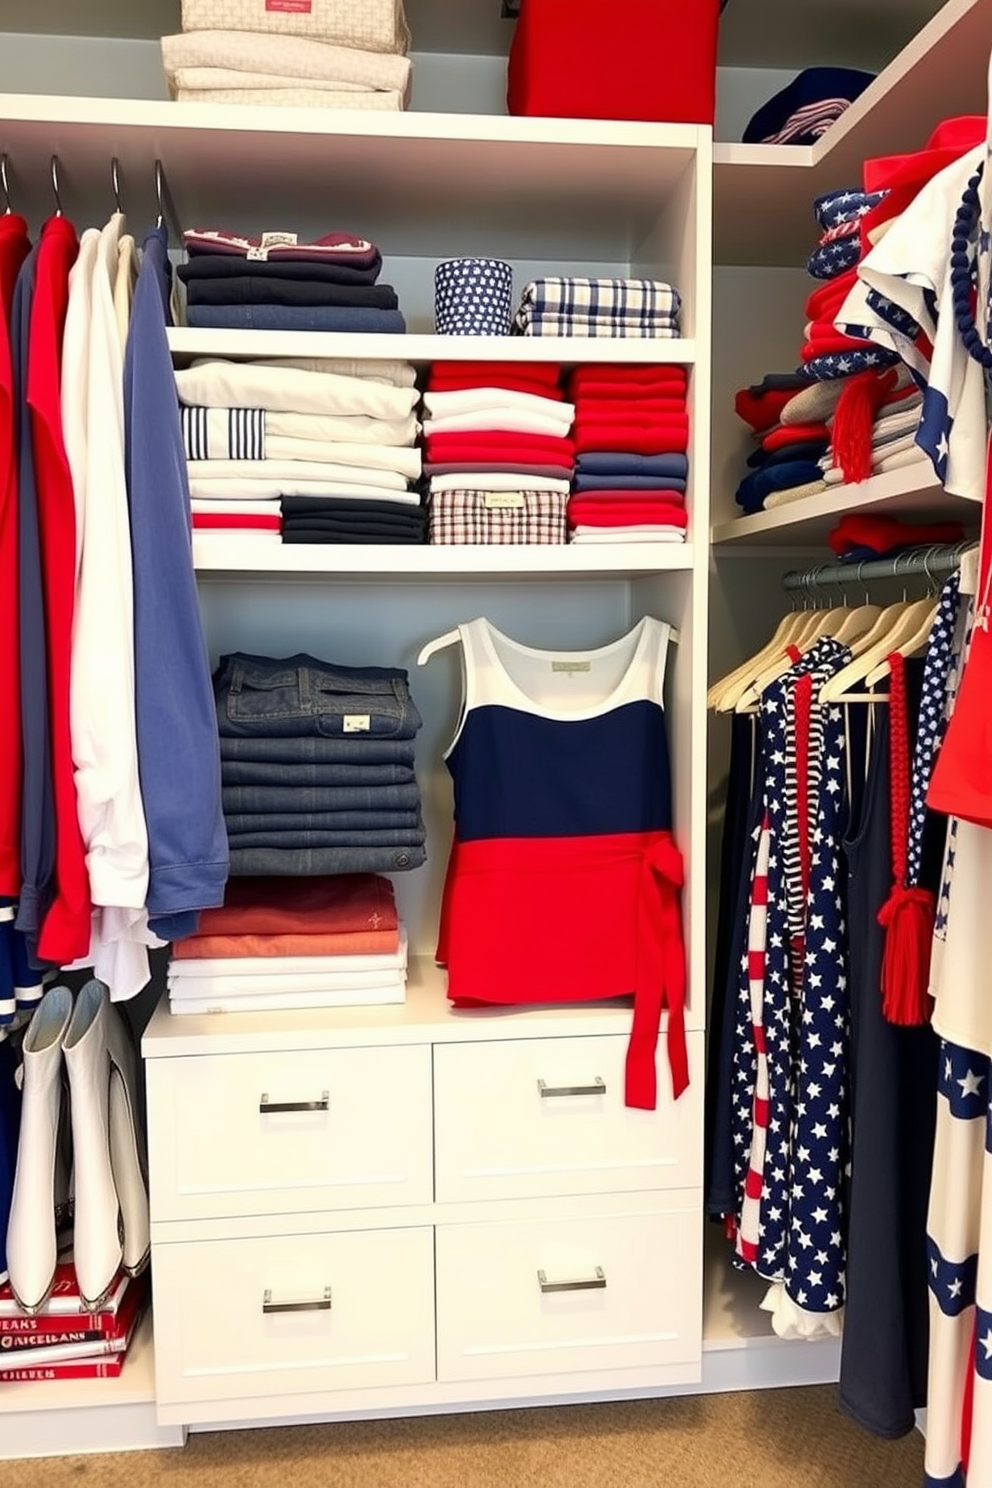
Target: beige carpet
[{"x": 767, "y": 1439}]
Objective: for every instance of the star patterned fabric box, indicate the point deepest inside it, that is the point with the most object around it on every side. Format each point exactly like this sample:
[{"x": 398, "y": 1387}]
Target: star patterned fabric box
[{"x": 473, "y": 297}]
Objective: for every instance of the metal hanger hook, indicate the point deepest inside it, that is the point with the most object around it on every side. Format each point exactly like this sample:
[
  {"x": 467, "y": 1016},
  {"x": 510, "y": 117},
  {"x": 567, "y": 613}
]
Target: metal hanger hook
[
  {"x": 115, "y": 180},
  {"x": 5, "y": 184},
  {"x": 55, "y": 186},
  {"x": 160, "y": 193}
]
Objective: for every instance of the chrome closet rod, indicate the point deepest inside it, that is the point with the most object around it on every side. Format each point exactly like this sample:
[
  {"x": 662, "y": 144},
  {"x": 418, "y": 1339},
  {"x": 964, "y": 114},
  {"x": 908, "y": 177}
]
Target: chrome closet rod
[{"x": 928, "y": 562}]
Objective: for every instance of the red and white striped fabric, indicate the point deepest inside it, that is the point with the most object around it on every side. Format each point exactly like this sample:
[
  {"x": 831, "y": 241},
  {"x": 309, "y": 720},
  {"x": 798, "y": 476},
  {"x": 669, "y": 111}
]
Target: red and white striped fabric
[{"x": 748, "y": 1229}]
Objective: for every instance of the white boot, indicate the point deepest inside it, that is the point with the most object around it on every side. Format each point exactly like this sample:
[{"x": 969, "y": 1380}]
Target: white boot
[
  {"x": 32, "y": 1250},
  {"x": 111, "y": 1218}
]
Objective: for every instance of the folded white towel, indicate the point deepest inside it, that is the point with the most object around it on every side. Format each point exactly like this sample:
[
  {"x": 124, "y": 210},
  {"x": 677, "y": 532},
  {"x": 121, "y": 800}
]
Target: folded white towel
[
  {"x": 376, "y": 25},
  {"x": 220, "y": 384},
  {"x": 309, "y": 97}
]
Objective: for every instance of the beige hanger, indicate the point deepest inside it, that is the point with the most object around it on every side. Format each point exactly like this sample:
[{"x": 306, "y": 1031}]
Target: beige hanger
[
  {"x": 891, "y": 634},
  {"x": 822, "y": 623},
  {"x": 723, "y": 694}
]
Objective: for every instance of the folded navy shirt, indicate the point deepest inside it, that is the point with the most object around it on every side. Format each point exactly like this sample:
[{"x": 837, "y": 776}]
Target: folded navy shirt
[
  {"x": 246, "y": 289},
  {"x": 218, "y": 267},
  {"x": 613, "y": 462},
  {"x": 754, "y": 488}
]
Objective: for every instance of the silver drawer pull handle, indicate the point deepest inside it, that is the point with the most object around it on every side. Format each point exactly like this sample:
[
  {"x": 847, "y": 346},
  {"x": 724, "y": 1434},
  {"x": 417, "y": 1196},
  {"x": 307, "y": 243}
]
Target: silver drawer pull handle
[
  {"x": 268, "y": 1107},
  {"x": 598, "y": 1087},
  {"x": 318, "y": 1304},
  {"x": 594, "y": 1283}
]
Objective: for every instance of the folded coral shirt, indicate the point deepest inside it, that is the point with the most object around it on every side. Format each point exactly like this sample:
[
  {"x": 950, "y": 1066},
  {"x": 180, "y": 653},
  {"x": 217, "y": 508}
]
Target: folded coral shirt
[
  {"x": 543, "y": 448},
  {"x": 348, "y": 943}
]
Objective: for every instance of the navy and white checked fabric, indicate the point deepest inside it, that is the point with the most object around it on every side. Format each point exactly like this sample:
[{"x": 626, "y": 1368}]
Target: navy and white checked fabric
[
  {"x": 473, "y": 297},
  {"x": 566, "y": 306},
  {"x": 933, "y": 718},
  {"x": 223, "y": 433},
  {"x": 515, "y": 517}
]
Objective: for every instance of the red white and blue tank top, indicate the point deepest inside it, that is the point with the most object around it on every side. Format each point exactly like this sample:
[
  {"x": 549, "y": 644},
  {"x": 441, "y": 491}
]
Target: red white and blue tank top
[{"x": 563, "y": 881}]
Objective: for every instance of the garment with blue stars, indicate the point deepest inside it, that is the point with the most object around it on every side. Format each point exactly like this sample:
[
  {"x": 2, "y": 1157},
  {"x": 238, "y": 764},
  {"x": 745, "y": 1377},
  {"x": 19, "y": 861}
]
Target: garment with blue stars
[
  {"x": 910, "y": 269},
  {"x": 959, "y": 1223}
]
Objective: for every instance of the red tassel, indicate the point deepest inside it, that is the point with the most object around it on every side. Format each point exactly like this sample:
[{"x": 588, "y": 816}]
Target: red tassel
[
  {"x": 854, "y": 417},
  {"x": 908, "y": 916}
]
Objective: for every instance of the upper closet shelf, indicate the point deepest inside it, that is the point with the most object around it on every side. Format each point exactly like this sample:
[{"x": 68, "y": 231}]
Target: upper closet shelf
[
  {"x": 913, "y": 492},
  {"x": 188, "y": 342},
  {"x": 218, "y": 553},
  {"x": 763, "y": 193},
  {"x": 448, "y": 184}
]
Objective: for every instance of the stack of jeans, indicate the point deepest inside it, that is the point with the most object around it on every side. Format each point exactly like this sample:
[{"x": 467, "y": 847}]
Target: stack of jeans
[{"x": 317, "y": 766}]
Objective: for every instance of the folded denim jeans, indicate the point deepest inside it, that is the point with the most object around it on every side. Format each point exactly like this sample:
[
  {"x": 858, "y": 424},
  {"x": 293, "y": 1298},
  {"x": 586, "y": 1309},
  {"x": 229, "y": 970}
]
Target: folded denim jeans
[
  {"x": 264, "y": 772},
  {"x": 305, "y": 862},
  {"x": 389, "y": 837},
  {"x": 351, "y": 319},
  {"x": 338, "y": 823},
  {"x": 277, "y": 752},
  {"x": 299, "y": 695},
  {"x": 368, "y": 800}
]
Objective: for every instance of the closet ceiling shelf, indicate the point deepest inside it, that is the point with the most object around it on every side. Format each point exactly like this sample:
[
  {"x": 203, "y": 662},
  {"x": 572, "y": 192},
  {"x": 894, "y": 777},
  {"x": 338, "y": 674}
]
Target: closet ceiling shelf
[
  {"x": 218, "y": 555},
  {"x": 763, "y": 193},
  {"x": 913, "y": 492},
  {"x": 187, "y": 342}
]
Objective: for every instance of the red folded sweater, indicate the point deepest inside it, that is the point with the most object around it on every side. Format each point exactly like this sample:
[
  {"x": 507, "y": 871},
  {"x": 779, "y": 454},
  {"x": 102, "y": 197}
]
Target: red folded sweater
[
  {"x": 627, "y": 439},
  {"x": 504, "y": 381},
  {"x": 621, "y": 375},
  {"x": 626, "y": 392},
  {"x": 825, "y": 301},
  {"x": 883, "y": 533},
  {"x": 636, "y": 410},
  {"x": 611, "y": 497},
  {"x": 787, "y": 434},
  {"x": 762, "y": 412},
  {"x": 486, "y": 374},
  {"x": 542, "y": 449},
  {"x": 661, "y": 514}
]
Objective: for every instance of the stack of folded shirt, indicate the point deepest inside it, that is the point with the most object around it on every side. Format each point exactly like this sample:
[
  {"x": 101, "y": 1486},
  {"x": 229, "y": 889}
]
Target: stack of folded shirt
[
  {"x": 498, "y": 452},
  {"x": 320, "y": 54},
  {"x": 280, "y": 943},
  {"x": 323, "y": 449},
  {"x": 787, "y": 458},
  {"x": 276, "y": 283},
  {"x": 556, "y": 306},
  {"x": 317, "y": 766},
  {"x": 827, "y": 352},
  {"x": 631, "y": 437},
  {"x": 893, "y": 436}
]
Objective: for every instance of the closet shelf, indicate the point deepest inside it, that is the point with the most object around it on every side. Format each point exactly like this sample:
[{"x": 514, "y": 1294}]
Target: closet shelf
[
  {"x": 187, "y": 342},
  {"x": 523, "y": 184},
  {"x": 216, "y": 553},
  {"x": 913, "y": 492},
  {"x": 763, "y": 193}
]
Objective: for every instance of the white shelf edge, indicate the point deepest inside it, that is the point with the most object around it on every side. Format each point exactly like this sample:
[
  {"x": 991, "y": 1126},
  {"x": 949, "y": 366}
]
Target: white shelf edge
[
  {"x": 465, "y": 129},
  {"x": 220, "y": 554},
  {"x": 194, "y": 341},
  {"x": 913, "y": 488}
]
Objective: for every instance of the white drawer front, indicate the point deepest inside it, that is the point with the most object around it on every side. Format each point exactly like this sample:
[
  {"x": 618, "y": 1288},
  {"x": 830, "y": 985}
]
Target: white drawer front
[
  {"x": 221, "y": 1147},
  {"x": 219, "y": 1333},
  {"x": 637, "y": 1301},
  {"x": 500, "y": 1134}
]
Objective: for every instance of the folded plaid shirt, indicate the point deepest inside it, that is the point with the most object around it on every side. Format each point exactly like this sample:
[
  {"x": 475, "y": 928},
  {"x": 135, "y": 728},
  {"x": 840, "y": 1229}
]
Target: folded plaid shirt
[
  {"x": 559, "y": 306},
  {"x": 518, "y": 517}
]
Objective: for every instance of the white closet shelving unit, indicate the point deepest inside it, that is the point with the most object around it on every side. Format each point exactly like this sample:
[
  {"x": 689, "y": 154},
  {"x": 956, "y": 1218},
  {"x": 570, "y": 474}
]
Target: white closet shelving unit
[{"x": 552, "y": 196}]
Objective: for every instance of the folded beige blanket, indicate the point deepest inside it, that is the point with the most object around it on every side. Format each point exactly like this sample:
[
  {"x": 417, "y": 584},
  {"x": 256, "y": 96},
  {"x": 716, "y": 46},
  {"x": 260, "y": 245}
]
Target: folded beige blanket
[
  {"x": 375, "y": 25},
  {"x": 230, "y": 59},
  {"x": 293, "y": 98}
]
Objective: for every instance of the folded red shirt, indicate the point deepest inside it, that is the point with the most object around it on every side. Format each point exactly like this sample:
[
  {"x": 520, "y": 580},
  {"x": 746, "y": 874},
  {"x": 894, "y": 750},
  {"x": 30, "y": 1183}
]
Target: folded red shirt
[
  {"x": 787, "y": 434},
  {"x": 884, "y": 533},
  {"x": 622, "y": 375},
  {"x": 487, "y": 374},
  {"x": 642, "y": 495},
  {"x": 761, "y": 413},
  {"x": 626, "y": 392},
  {"x": 670, "y": 439},
  {"x": 510, "y": 384},
  {"x": 235, "y": 521},
  {"x": 831, "y": 345},
  {"x": 544, "y": 449},
  {"x": 828, "y": 298},
  {"x": 297, "y": 906},
  {"x": 636, "y": 410},
  {"x": 661, "y": 514}
]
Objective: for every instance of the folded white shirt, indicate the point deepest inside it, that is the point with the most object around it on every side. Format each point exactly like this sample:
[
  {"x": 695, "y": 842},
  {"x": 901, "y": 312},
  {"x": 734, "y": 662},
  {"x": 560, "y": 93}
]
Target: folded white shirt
[
  {"x": 392, "y": 373},
  {"x": 512, "y": 420},
  {"x": 913, "y": 456},
  {"x": 471, "y": 400},
  {"x": 220, "y": 384},
  {"x": 497, "y": 480},
  {"x": 309, "y": 95},
  {"x": 354, "y": 428},
  {"x": 403, "y": 459},
  {"x": 278, "y": 471},
  {"x": 204, "y": 488},
  {"x": 627, "y": 534},
  {"x": 182, "y": 988},
  {"x": 286, "y": 1002}
]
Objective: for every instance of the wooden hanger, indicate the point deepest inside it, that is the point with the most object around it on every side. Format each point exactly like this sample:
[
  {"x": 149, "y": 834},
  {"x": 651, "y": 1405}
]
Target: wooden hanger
[
  {"x": 891, "y": 634},
  {"x": 742, "y": 675}
]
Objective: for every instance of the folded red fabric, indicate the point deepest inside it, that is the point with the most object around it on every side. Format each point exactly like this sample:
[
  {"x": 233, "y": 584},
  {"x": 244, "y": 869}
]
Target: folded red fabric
[
  {"x": 620, "y": 375},
  {"x": 636, "y": 410},
  {"x": 504, "y": 381},
  {"x": 885, "y": 533},
  {"x": 661, "y": 514},
  {"x": 830, "y": 296},
  {"x": 642, "y": 496},
  {"x": 787, "y": 434},
  {"x": 544, "y": 449},
  {"x": 762, "y": 412},
  {"x": 672, "y": 439},
  {"x": 830, "y": 345},
  {"x": 298, "y": 906},
  {"x": 243, "y": 521},
  {"x": 483, "y": 374}
]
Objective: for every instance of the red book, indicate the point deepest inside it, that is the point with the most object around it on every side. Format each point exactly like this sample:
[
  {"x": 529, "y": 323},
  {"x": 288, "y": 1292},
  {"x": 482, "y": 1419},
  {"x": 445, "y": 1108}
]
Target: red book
[
  {"x": 100, "y": 1360},
  {"x": 108, "y": 1368},
  {"x": 64, "y": 1302},
  {"x": 37, "y": 1349}
]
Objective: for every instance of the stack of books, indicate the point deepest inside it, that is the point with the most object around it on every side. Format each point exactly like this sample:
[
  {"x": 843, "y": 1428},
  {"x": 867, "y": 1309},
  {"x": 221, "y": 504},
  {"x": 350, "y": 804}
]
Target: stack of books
[{"x": 63, "y": 1341}]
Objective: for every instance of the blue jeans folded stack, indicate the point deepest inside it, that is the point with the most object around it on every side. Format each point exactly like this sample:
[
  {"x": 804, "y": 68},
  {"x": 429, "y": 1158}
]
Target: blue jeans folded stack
[{"x": 317, "y": 766}]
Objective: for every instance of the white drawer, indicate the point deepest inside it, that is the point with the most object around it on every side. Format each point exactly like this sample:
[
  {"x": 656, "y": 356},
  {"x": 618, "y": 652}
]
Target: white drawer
[
  {"x": 217, "y": 1337},
  {"x": 636, "y": 1302},
  {"x": 500, "y": 1133},
  {"x": 219, "y": 1145}
]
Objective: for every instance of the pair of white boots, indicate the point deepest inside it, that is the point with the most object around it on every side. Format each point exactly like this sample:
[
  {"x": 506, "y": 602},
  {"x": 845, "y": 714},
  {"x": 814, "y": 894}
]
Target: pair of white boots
[{"x": 111, "y": 1223}]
